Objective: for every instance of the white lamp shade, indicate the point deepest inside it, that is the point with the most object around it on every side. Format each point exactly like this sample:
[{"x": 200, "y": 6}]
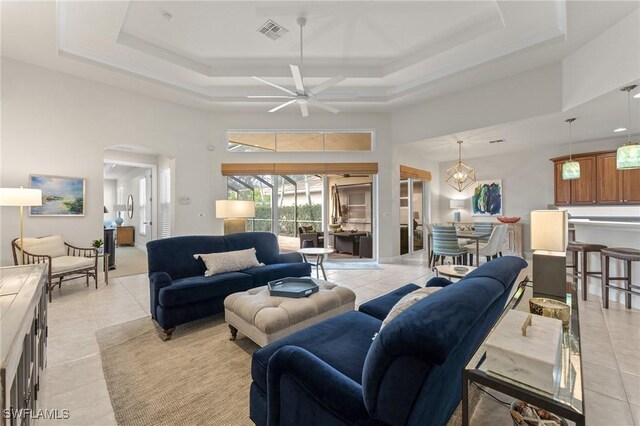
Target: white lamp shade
[
  {"x": 549, "y": 229},
  {"x": 120, "y": 207},
  {"x": 20, "y": 197},
  {"x": 228, "y": 209},
  {"x": 456, "y": 204}
]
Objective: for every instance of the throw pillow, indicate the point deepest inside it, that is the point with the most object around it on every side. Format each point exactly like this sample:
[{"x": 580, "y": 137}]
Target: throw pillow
[
  {"x": 408, "y": 301},
  {"x": 230, "y": 261}
]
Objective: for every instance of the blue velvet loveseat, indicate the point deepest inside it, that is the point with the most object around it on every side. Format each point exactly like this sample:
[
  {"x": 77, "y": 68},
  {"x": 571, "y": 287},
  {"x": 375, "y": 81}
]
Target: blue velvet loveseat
[
  {"x": 345, "y": 371},
  {"x": 181, "y": 293}
]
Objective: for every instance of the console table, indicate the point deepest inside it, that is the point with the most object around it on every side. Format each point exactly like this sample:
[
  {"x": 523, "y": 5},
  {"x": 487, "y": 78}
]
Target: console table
[
  {"x": 565, "y": 399},
  {"x": 347, "y": 242},
  {"x": 23, "y": 342}
]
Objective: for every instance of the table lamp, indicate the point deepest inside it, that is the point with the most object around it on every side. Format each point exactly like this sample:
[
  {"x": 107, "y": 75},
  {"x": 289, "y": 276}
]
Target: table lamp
[
  {"x": 20, "y": 197},
  {"x": 549, "y": 229},
  {"x": 119, "y": 208},
  {"x": 456, "y": 204},
  {"x": 235, "y": 214}
]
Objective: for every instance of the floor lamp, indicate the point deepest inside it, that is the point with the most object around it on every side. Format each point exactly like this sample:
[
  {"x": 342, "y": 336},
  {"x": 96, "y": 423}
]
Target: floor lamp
[
  {"x": 20, "y": 197},
  {"x": 549, "y": 229},
  {"x": 235, "y": 214}
]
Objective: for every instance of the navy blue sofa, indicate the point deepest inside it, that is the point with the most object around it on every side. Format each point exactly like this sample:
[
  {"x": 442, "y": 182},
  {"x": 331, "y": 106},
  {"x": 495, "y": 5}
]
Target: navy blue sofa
[
  {"x": 181, "y": 293},
  {"x": 336, "y": 373}
]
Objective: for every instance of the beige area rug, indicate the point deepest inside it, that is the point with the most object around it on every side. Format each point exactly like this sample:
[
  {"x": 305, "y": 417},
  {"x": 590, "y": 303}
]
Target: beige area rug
[
  {"x": 129, "y": 261},
  {"x": 199, "y": 377}
]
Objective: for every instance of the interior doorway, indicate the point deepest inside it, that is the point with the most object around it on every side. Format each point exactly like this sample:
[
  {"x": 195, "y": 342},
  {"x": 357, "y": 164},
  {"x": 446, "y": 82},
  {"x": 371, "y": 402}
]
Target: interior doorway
[{"x": 137, "y": 199}]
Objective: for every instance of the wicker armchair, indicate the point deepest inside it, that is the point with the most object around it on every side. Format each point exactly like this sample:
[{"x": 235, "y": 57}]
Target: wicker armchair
[
  {"x": 307, "y": 233},
  {"x": 65, "y": 261}
]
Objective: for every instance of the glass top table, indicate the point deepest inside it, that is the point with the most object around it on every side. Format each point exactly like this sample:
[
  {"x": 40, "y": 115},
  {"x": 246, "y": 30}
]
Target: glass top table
[{"x": 565, "y": 398}]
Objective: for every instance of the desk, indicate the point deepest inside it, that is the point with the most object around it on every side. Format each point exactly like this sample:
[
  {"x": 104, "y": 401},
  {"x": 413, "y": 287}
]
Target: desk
[
  {"x": 347, "y": 242},
  {"x": 566, "y": 399},
  {"x": 319, "y": 252}
]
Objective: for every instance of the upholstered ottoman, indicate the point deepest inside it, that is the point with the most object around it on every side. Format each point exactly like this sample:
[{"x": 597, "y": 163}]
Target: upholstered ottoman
[{"x": 264, "y": 318}]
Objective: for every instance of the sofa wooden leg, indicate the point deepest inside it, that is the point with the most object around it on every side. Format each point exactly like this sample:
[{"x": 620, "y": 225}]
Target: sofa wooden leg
[
  {"x": 168, "y": 332},
  {"x": 234, "y": 333}
]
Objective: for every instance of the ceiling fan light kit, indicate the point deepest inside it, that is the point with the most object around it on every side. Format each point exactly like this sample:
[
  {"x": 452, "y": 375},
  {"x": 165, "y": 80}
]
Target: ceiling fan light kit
[
  {"x": 570, "y": 169},
  {"x": 460, "y": 175},
  {"x": 301, "y": 96},
  {"x": 628, "y": 155}
]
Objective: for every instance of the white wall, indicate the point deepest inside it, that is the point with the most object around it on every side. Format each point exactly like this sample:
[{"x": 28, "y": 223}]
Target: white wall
[
  {"x": 109, "y": 198},
  {"x": 527, "y": 179},
  {"x": 57, "y": 124}
]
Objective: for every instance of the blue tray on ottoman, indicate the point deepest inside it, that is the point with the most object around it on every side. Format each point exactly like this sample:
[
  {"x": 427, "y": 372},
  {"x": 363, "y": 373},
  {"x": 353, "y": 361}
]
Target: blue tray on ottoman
[{"x": 295, "y": 287}]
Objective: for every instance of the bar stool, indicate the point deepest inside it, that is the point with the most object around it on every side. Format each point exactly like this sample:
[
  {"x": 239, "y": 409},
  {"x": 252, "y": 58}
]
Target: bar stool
[
  {"x": 627, "y": 255},
  {"x": 575, "y": 248}
]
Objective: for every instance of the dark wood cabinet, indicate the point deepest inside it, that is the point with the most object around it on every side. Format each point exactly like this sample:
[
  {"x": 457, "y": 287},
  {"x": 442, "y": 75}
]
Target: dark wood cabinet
[
  {"x": 562, "y": 187},
  {"x": 631, "y": 186},
  {"x": 583, "y": 190},
  {"x": 110, "y": 246},
  {"x": 600, "y": 182},
  {"x": 609, "y": 180}
]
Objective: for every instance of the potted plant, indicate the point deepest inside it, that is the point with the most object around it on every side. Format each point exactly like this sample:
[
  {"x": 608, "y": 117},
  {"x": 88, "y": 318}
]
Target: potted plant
[{"x": 97, "y": 244}]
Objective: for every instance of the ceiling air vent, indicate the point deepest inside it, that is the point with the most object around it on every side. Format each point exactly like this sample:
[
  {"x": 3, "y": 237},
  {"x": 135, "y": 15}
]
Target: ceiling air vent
[
  {"x": 497, "y": 141},
  {"x": 272, "y": 30}
]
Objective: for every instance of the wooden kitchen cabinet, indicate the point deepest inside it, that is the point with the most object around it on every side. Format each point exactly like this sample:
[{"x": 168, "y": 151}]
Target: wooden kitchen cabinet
[
  {"x": 600, "y": 182},
  {"x": 583, "y": 190},
  {"x": 609, "y": 180},
  {"x": 126, "y": 235},
  {"x": 562, "y": 187}
]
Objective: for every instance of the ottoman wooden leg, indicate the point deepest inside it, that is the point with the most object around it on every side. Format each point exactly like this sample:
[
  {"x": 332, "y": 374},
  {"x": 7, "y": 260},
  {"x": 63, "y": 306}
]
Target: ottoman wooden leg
[{"x": 234, "y": 333}]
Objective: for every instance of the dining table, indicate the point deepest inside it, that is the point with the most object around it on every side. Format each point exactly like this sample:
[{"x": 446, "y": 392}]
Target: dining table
[{"x": 476, "y": 236}]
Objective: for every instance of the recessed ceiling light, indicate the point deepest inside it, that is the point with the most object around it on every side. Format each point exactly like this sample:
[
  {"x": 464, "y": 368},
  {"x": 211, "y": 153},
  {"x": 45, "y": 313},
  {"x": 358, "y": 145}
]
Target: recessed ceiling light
[
  {"x": 620, "y": 129},
  {"x": 168, "y": 16}
]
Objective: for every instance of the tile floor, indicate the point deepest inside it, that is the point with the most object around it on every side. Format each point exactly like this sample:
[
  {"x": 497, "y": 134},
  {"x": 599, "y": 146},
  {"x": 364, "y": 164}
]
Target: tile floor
[{"x": 74, "y": 380}]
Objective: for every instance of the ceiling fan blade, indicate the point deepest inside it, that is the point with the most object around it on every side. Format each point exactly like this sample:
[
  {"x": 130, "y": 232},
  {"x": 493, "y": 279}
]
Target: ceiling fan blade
[
  {"x": 329, "y": 83},
  {"x": 304, "y": 108},
  {"x": 323, "y": 106},
  {"x": 297, "y": 78},
  {"x": 282, "y": 105},
  {"x": 284, "y": 89},
  {"x": 270, "y": 97}
]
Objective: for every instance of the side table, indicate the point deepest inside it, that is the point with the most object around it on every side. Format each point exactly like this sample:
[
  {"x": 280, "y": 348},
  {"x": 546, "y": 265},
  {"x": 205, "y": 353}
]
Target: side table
[
  {"x": 105, "y": 265},
  {"x": 453, "y": 271},
  {"x": 319, "y": 252},
  {"x": 565, "y": 399}
]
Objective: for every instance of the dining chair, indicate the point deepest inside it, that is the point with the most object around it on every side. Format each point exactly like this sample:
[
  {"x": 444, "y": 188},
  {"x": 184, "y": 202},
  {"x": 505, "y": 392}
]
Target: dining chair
[
  {"x": 491, "y": 248},
  {"x": 484, "y": 227},
  {"x": 445, "y": 244}
]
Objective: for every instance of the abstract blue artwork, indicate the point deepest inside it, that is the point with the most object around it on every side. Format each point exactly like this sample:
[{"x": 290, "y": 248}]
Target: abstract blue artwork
[{"x": 487, "y": 198}]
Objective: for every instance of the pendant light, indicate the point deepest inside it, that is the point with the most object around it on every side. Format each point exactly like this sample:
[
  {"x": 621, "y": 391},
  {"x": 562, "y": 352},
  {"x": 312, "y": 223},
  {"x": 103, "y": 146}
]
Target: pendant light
[
  {"x": 460, "y": 175},
  {"x": 628, "y": 155},
  {"x": 570, "y": 169}
]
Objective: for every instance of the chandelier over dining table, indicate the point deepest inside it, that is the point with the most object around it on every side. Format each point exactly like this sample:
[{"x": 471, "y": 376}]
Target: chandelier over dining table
[{"x": 460, "y": 175}]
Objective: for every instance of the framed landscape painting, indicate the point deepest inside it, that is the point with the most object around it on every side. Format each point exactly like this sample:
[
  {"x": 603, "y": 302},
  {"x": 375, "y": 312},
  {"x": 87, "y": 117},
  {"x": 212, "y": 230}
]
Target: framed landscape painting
[
  {"x": 487, "y": 198},
  {"x": 61, "y": 196}
]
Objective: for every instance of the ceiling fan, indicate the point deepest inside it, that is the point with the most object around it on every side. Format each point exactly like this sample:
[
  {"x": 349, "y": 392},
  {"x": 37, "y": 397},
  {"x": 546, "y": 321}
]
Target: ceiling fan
[{"x": 301, "y": 96}]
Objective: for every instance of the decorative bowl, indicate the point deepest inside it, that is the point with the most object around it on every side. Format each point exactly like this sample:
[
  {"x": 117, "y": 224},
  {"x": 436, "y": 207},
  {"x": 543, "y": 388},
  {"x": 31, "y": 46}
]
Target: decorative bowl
[
  {"x": 534, "y": 416},
  {"x": 504, "y": 219},
  {"x": 550, "y": 308}
]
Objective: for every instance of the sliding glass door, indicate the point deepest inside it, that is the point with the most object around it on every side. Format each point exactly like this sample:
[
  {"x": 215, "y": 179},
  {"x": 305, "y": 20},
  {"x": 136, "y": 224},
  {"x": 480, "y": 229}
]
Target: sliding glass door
[{"x": 412, "y": 215}]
